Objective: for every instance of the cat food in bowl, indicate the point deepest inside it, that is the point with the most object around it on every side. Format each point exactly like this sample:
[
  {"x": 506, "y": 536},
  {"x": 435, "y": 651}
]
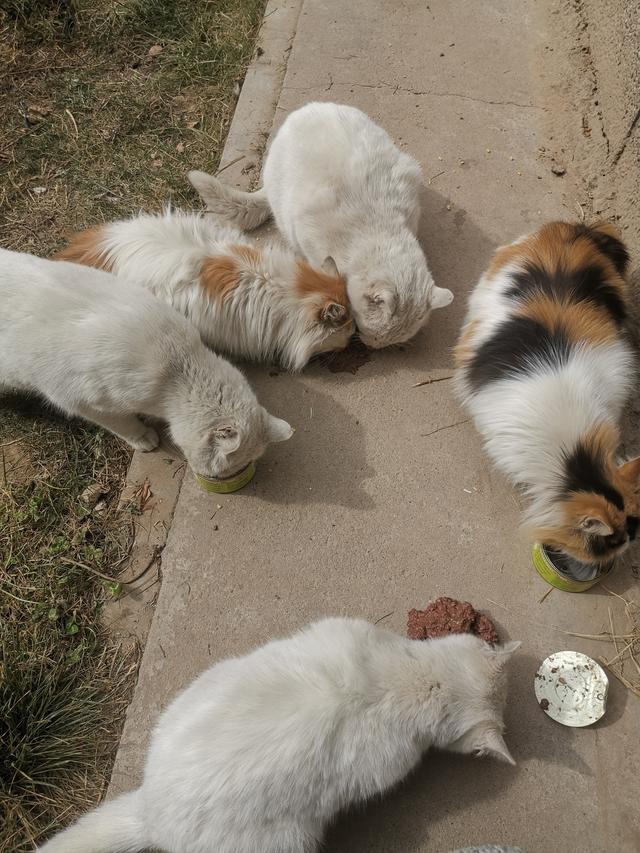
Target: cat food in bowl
[
  {"x": 571, "y": 688},
  {"x": 225, "y": 486},
  {"x": 565, "y": 572}
]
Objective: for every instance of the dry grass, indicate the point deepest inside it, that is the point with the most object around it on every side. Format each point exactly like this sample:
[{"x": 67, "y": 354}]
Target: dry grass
[
  {"x": 63, "y": 688},
  {"x": 624, "y": 659},
  {"x": 104, "y": 106}
]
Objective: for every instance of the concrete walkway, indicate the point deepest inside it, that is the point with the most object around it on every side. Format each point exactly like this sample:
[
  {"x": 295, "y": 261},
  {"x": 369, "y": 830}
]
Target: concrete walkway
[{"x": 383, "y": 498}]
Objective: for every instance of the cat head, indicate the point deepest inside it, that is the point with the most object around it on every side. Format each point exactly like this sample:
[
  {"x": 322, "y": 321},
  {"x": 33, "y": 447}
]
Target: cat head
[
  {"x": 597, "y": 511},
  {"x": 392, "y": 293},
  {"x": 473, "y": 678},
  {"x": 324, "y": 292},
  {"x": 222, "y": 446}
]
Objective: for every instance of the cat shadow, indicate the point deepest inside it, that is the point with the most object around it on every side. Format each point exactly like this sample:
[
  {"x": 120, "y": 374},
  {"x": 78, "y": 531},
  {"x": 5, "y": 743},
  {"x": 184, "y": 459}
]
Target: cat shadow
[
  {"x": 445, "y": 783},
  {"x": 325, "y": 462}
]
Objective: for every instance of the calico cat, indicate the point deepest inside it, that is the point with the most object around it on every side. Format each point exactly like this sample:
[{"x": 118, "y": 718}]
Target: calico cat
[
  {"x": 545, "y": 368},
  {"x": 342, "y": 192},
  {"x": 106, "y": 350},
  {"x": 259, "y": 753},
  {"x": 252, "y": 302}
]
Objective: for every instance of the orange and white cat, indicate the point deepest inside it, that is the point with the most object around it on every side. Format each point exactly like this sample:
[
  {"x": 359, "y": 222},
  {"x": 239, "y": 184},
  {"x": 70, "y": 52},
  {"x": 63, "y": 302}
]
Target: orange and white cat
[
  {"x": 545, "y": 368},
  {"x": 255, "y": 302}
]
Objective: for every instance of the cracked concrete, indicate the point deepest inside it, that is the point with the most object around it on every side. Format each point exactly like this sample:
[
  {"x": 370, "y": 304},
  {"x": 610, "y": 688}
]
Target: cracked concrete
[
  {"x": 384, "y": 498},
  {"x": 429, "y": 92}
]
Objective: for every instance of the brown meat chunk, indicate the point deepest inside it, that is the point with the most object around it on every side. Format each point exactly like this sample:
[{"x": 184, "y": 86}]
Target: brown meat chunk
[
  {"x": 448, "y": 616},
  {"x": 485, "y": 629}
]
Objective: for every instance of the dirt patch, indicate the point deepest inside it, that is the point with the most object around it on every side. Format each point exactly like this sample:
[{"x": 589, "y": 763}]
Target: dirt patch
[{"x": 17, "y": 463}]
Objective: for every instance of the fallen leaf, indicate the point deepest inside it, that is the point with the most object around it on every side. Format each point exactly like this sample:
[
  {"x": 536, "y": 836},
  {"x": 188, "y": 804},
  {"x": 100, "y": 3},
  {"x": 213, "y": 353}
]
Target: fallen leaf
[
  {"x": 100, "y": 508},
  {"x": 36, "y": 113},
  {"x": 92, "y": 494},
  {"x": 157, "y": 163},
  {"x": 145, "y": 495},
  {"x": 180, "y": 147},
  {"x": 155, "y": 49},
  {"x": 135, "y": 496}
]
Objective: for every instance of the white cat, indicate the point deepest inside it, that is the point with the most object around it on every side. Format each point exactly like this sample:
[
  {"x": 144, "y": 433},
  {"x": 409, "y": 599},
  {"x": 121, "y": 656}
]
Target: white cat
[
  {"x": 106, "y": 350},
  {"x": 340, "y": 189},
  {"x": 257, "y": 302},
  {"x": 261, "y": 752}
]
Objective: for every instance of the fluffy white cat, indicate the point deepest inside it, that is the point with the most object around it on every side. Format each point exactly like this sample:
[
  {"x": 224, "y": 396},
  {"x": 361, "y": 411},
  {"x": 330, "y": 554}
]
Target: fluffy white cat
[
  {"x": 102, "y": 349},
  {"x": 340, "y": 189},
  {"x": 258, "y": 302},
  {"x": 261, "y": 752}
]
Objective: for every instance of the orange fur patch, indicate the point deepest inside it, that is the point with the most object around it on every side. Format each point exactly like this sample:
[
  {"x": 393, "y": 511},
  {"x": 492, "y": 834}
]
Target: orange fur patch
[
  {"x": 85, "y": 248},
  {"x": 581, "y": 321},
  {"x": 514, "y": 253},
  {"x": 247, "y": 254},
  {"x": 465, "y": 348},
  {"x": 329, "y": 288},
  {"x": 590, "y": 505},
  {"x": 219, "y": 276},
  {"x": 558, "y": 246}
]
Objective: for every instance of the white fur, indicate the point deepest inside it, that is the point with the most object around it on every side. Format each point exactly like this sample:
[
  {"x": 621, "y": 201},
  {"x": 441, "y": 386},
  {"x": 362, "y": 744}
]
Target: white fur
[
  {"x": 261, "y": 752},
  {"x": 339, "y": 188},
  {"x": 263, "y": 318},
  {"x": 108, "y": 351},
  {"x": 531, "y": 422}
]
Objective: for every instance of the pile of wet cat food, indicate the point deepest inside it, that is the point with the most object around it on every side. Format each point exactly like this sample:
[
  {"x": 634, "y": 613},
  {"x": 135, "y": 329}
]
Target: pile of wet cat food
[{"x": 449, "y": 616}]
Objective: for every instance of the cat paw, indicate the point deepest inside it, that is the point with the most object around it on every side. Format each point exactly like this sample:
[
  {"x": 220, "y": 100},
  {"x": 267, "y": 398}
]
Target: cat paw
[{"x": 149, "y": 440}]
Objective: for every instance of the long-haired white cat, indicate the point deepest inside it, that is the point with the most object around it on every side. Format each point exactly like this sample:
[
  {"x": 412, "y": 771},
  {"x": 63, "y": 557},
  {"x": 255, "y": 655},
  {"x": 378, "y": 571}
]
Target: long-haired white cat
[
  {"x": 340, "y": 189},
  {"x": 261, "y": 752},
  {"x": 253, "y": 302},
  {"x": 105, "y": 350}
]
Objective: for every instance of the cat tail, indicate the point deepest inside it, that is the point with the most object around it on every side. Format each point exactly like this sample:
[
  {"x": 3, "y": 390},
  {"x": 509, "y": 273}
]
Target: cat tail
[
  {"x": 245, "y": 210},
  {"x": 114, "y": 827}
]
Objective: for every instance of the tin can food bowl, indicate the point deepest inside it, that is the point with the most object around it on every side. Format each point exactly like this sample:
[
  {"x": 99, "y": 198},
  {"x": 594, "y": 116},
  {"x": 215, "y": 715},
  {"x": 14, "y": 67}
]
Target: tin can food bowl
[
  {"x": 571, "y": 688},
  {"x": 565, "y": 572},
  {"x": 229, "y": 484}
]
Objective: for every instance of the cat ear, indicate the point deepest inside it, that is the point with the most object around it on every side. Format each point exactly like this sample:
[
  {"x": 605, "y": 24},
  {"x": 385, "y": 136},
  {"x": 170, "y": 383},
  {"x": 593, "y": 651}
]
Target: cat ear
[
  {"x": 205, "y": 185},
  {"x": 329, "y": 266},
  {"x": 630, "y": 471},
  {"x": 380, "y": 296},
  {"x": 277, "y": 429},
  {"x": 491, "y": 744},
  {"x": 441, "y": 297},
  {"x": 333, "y": 314},
  {"x": 225, "y": 436},
  {"x": 595, "y": 524}
]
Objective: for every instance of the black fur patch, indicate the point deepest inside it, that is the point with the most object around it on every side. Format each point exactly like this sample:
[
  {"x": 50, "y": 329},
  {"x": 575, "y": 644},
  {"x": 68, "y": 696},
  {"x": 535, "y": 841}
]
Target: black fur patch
[
  {"x": 585, "y": 472},
  {"x": 519, "y": 346},
  {"x": 610, "y": 246},
  {"x": 600, "y": 546},
  {"x": 632, "y": 526},
  {"x": 588, "y": 284}
]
